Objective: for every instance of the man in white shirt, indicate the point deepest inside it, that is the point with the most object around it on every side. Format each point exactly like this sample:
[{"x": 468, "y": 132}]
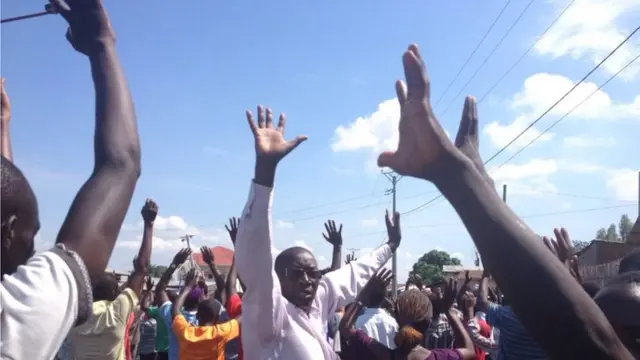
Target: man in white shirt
[
  {"x": 376, "y": 322},
  {"x": 291, "y": 324},
  {"x": 45, "y": 296}
]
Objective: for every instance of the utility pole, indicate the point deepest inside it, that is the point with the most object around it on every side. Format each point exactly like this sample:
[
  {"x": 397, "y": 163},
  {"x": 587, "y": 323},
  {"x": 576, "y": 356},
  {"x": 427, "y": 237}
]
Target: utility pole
[
  {"x": 394, "y": 178},
  {"x": 187, "y": 238}
]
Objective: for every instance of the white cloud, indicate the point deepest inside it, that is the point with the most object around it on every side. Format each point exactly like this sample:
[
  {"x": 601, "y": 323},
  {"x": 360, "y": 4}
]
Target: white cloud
[
  {"x": 169, "y": 223},
  {"x": 501, "y": 135},
  {"x": 585, "y": 141},
  {"x": 377, "y": 131},
  {"x": 457, "y": 255},
  {"x": 373, "y": 222},
  {"x": 528, "y": 179},
  {"x": 623, "y": 183},
  {"x": 284, "y": 225},
  {"x": 591, "y": 29}
]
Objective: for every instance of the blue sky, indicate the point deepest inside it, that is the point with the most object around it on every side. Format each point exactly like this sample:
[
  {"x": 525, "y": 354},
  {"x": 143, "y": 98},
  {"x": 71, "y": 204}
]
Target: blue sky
[{"x": 194, "y": 68}]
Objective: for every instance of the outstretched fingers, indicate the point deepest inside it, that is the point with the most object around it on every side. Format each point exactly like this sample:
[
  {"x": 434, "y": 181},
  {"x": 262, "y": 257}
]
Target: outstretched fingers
[
  {"x": 282, "y": 120},
  {"x": 417, "y": 80},
  {"x": 468, "y": 128},
  {"x": 261, "y": 116},
  {"x": 252, "y": 123},
  {"x": 269, "y": 122}
]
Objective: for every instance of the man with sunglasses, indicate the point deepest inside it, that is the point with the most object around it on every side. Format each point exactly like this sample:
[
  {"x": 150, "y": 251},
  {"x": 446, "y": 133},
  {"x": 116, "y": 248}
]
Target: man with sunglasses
[{"x": 292, "y": 323}]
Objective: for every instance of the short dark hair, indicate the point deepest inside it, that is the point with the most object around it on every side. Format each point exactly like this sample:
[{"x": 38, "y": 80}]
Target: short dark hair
[
  {"x": 209, "y": 309},
  {"x": 631, "y": 262},
  {"x": 17, "y": 196},
  {"x": 105, "y": 287}
]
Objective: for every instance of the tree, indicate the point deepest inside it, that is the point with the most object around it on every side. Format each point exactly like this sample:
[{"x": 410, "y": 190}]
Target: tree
[
  {"x": 612, "y": 233},
  {"x": 624, "y": 227},
  {"x": 601, "y": 234},
  {"x": 157, "y": 270},
  {"x": 429, "y": 266}
]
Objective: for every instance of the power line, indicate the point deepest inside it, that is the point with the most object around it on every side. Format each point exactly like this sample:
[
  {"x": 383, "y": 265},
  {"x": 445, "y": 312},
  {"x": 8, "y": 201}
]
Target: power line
[
  {"x": 525, "y": 53},
  {"x": 568, "y": 113},
  {"x": 495, "y": 21},
  {"x": 486, "y": 59},
  {"x": 565, "y": 95},
  {"x": 542, "y": 115}
]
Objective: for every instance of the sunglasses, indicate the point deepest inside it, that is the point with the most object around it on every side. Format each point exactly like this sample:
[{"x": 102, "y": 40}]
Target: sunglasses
[{"x": 300, "y": 273}]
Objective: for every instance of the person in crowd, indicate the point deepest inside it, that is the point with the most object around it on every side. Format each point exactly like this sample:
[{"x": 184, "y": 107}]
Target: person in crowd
[
  {"x": 333, "y": 237},
  {"x": 190, "y": 302},
  {"x": 440, "y": 334},
  {"x": 479, "y": 330},
  {"x": 148, "y": 328},
  {"x": 233, "y": 302},
  {"x": 208, "y": 339},
  {"x": 106, "y": 334},
  {"x": 456, "y": 169},
  {"x": 162, "y": 333},
  {"x": 52, "y": 290},
  {"x": 413, "y": 313},
  {"x": 375, "y": 321},
  {"x": 291, "y": 323}
]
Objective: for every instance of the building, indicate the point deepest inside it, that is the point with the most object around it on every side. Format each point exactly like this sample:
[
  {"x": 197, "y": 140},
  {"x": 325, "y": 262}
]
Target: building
[
  {"x": 222, "y": 257},
  {"x": 458, "y": 272}
]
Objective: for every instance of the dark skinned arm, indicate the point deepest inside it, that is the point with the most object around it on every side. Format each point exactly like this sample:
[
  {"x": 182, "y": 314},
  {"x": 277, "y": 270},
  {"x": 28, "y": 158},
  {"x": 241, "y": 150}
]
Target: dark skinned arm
[
  {"x": 463, "y": 342},
  {"x": 94, "y": 220},
  {"x": 336, "y": 258},
  {"x": 483, "y": 298},
  {"x": 5, "y": 120},
  {"x": 143, "y": 260},
  {"x": 585, "y": 332},
  {"x": 207, "y": 257},
  {"x": 334, "y": 237},
  {"x": 161, "y": 286},
  {"x": 190, "y": 284}
]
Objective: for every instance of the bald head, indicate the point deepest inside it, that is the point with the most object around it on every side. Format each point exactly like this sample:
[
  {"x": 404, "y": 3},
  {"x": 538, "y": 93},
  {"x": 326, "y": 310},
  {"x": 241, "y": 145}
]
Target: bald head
[
  {"x": 297, "y": 270},
  {"x": 290, "y": 256}
]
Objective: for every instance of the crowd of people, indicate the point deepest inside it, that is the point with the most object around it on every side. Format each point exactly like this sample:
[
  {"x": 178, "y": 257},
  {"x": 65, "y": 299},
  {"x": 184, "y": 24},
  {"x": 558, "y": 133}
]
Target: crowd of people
[{"x": 61, "y": 304}]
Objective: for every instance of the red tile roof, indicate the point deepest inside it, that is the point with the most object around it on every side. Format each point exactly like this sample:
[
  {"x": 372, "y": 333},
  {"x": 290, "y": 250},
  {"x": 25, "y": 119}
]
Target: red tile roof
[{"x": 221, "y": 255}]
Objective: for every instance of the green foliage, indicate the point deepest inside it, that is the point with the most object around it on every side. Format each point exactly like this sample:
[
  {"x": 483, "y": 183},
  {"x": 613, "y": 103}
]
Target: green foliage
[
  {"x": 429, "y": 266},
  {"x": 616, "y": 233},
  {"x": 624, "y": 227},
  {"x": 157, "y": 270}
]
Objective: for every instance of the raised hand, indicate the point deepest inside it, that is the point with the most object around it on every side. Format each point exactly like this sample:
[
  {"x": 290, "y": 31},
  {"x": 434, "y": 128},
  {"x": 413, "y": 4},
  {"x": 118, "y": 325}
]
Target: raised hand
[
  {"x": 269, "y": 140},
  {"x": 191, "y": 279},
  {"x": 562, "y": 248},
  {"x": 467, "y": 139},
  {"x": 334, "y": 233},
  {"x": 393, "y": 229},
  {"x": 149, "y": 211},
  {"x": 377, "y": 284},
  {"x": 89, "y": 26},
  {"x": 207, "y": 255},
  {"x": 5, "y": 105},
  {"x": 423, "y": 143},
  {"x": 181, "y": 256},
  {"x": 350, "y": 257},
  {"x": 450, "y": 293},
  {"x": 232, "y": 229}
]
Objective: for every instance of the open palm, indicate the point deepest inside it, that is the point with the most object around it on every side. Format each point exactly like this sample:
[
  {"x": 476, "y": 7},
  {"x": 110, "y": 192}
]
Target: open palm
[
  {"x": 269, "y": 140},
  {"x": 422, "y": 140}
]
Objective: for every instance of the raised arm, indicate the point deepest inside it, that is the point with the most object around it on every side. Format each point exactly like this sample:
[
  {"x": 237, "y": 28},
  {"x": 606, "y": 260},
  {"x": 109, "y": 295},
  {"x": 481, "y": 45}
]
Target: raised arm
[
  {"x": 142, "y": 261},
  {"x": 5, "y": 120},
  {"x": 253, "y": 245},
  {"x": 334, "y": 237},
  {"x": 93, "y": 222},
  {"x": 161, "y": 286},
  {"x": 207, "y": 257},
  {"x": 425, "y": 152},
  {"x": 340, "y": 287}
]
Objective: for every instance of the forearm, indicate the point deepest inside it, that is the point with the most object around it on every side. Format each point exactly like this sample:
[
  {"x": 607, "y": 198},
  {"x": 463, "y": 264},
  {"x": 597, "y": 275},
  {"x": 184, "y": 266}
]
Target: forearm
[
  {"x": 497, "y": 231},
  {"x": 217, "y": 277},
  {"x": 116, "y": 142},
  {"x": 336, "y": 259},
  {"x": 177, "y": 305},
  {"x": 462, "y": 338},
  {"x": 161, "y": 286},
  {"x": 6, "y": 142},
  {"x": 231, "y": 280}
]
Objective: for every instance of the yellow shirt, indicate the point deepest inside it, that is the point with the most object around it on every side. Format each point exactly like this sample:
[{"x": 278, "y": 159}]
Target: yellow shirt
[
  {"x": 203, "y": 342},
  {"x": 102, "y": 337}
]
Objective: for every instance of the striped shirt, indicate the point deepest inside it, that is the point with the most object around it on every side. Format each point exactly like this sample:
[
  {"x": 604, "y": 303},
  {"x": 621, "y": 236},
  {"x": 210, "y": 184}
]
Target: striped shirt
[
  {"x": 148, "y": 331},
  {"x": 515, "y": 341}
]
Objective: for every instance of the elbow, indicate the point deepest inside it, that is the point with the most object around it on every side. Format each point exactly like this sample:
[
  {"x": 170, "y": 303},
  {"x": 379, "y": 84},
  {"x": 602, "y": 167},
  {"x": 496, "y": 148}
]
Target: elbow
[{"x": 127, "y": 165}]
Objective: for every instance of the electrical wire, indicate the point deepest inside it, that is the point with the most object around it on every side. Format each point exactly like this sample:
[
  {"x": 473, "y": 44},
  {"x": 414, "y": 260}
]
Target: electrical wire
[
  {"x": 525, "y": 53},
  {"x": 541, "y": 116},
  {"x": 486, "y": 59},
  {"x": 568, "y": 113},
  {"x": 484, "y": 37}
]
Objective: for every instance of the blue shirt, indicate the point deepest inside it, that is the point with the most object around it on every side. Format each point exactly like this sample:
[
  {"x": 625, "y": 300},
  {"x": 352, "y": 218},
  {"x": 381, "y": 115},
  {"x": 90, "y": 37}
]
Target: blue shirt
[
  {"x": 190, "y": 316},
  {"x": 515, "y": 341}
]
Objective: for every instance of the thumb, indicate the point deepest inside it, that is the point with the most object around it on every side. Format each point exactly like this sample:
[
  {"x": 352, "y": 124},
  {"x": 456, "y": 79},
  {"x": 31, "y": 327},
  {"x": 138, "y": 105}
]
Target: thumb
[
  {"x": 387, "y": 159},
  {"x": 295, "y": 142}
]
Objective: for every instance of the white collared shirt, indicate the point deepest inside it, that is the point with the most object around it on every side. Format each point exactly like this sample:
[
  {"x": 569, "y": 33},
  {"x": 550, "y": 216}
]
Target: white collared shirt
[
  {"x": 379, "y": 325},
  {"x": 273, "y": 328}
]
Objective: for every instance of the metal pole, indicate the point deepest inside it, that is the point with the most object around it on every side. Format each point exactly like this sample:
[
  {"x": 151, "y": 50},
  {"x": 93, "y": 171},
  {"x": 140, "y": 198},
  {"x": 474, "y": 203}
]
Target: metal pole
[{"x": 394, "y": 258}]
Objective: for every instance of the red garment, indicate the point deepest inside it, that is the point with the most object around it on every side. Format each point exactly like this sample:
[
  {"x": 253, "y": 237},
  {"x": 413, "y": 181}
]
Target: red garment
[
  {"x": 485, "y": 330},
  {"x": 234, "y": 309},
  {"x": 127, "y": 342}
]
